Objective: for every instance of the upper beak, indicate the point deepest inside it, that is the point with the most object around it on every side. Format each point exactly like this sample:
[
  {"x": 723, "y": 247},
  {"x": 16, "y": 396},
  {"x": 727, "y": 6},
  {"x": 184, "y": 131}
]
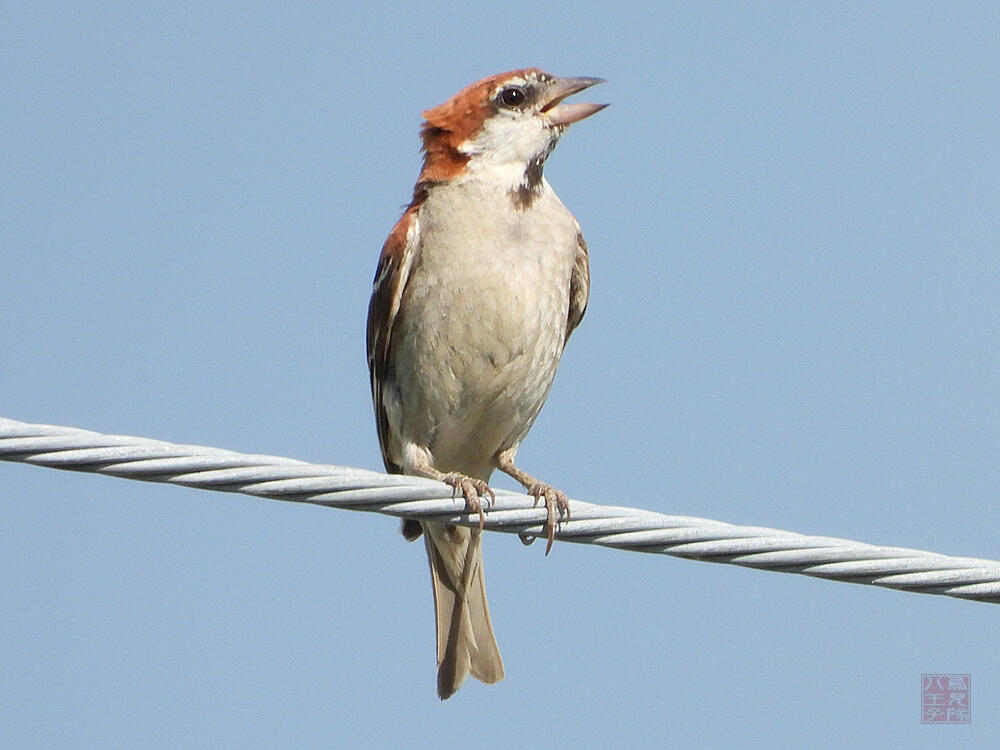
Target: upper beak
[{"x": 559, "y": 114}]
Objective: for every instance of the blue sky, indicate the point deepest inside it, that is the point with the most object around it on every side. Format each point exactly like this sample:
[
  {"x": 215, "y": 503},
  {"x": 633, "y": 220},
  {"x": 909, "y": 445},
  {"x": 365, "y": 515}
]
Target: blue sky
[{"x": 792, "y": 215}]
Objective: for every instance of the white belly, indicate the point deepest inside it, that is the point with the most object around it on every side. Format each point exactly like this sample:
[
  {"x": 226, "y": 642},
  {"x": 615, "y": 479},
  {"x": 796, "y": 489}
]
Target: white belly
[{"x": 481, "y": 329}]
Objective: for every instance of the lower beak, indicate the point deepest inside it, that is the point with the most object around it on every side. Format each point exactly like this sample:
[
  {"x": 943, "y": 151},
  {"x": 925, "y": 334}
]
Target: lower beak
[{"x": 559, "y": 114}]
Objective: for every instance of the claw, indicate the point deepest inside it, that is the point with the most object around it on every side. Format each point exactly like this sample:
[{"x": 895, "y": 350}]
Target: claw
[
  {"x": 471, "y": 489},
  {"x": 553, "y": 499},
  {"x": 551, "y": 522}
]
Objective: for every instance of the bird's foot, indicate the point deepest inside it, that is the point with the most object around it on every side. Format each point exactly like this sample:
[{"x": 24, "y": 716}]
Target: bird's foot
[
  {"x": 473, "y": 490},
  {"x": 555, "y": 504}
]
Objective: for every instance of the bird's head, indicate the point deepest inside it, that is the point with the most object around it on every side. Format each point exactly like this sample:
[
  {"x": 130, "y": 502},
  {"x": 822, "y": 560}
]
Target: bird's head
[{"x": 506, "y": 125}]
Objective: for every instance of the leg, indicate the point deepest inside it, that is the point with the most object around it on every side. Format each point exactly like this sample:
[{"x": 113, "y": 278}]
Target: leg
[
  {"x": 554, "y": 499},
  {"x": 417, "y": 461}
]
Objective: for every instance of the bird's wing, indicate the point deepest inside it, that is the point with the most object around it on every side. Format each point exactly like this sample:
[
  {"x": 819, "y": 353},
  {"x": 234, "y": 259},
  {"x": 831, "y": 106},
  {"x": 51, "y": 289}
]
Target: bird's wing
[
  {"x": 579, "y": 285},
  {"x": 398, "y": 253}
]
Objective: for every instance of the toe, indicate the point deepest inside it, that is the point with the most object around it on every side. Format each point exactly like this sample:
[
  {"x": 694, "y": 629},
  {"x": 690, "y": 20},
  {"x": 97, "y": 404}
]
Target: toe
[
  {"x": 471, "y": 489},
  {"x": 563, "y": 502},
  {"x": 550, "y": 528}
]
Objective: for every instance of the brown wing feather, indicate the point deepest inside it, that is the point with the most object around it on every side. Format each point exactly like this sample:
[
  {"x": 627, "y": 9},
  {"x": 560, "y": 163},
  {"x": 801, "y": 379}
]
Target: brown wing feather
[
  {"x": 387, "y": 291},
  {"x": 579, "y": 285}
]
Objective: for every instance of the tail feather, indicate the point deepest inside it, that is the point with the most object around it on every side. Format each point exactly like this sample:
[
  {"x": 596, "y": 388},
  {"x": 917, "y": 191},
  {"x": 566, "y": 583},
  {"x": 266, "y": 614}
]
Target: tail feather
[{"x": 465, "y": 640}]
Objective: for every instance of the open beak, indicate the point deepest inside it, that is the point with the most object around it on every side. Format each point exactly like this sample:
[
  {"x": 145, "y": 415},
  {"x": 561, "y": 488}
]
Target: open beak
[{"x": 559, "y": 114}]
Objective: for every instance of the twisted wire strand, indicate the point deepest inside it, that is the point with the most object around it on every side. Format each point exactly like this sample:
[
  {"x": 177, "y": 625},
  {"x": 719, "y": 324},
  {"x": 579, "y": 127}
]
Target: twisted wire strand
[{"x": 413, "y": 497}]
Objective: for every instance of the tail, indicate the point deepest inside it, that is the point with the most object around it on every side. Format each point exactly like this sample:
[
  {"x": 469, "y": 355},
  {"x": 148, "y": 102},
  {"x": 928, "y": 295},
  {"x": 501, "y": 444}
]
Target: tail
[{"x": 465, "y": 641}]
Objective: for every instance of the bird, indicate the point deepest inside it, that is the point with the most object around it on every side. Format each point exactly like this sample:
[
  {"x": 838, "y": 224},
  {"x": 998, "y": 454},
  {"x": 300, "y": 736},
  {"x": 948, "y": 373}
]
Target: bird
[{"x": 478, "y": 287}]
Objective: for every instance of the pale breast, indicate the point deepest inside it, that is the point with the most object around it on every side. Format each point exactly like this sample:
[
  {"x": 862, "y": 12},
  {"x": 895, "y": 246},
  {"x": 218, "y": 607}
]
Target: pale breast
[{"x": 483, "y": 323}]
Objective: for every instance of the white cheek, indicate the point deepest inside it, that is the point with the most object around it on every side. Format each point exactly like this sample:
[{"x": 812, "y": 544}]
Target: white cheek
[{"x": 504, "y": 140}]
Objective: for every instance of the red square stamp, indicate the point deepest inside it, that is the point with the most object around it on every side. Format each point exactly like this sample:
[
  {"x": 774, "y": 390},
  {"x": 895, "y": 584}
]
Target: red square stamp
[{"x": 945, "y": 699}]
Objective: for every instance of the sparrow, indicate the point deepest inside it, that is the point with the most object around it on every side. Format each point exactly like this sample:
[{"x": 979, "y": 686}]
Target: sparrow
[{"x": 478, "y": 288}]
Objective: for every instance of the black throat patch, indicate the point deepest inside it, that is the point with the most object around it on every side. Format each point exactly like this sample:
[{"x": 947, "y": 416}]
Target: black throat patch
[{"x": 530, "y": 188}]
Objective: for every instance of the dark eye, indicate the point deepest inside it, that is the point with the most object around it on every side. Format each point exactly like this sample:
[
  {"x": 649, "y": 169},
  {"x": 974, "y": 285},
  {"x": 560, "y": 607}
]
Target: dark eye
[{"x": 512, "y": 96}]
